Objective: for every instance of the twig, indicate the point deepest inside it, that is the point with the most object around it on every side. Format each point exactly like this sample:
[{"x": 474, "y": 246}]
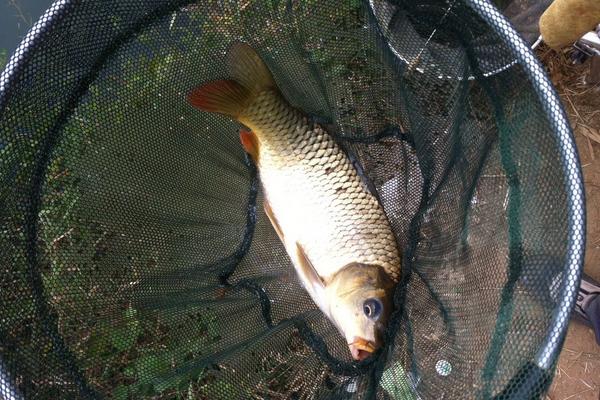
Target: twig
[
  {"x": 590, "y": 184},
  {"x": 585, "y": 383},
  {"x": 577, "y": 394},
  {"x": 583, "y": 353},
  {"x": 573, "y": 107},
  {"x": 564, "y": 372},
  {"x": 590, "y": 148},
  {"x": 590, "y": 115},
  {"x": 61, "y": 237},
  {"x": 20, "y": 13},
  {"x": 587, "y": 90},
  {"x": 589, "y": 133}
]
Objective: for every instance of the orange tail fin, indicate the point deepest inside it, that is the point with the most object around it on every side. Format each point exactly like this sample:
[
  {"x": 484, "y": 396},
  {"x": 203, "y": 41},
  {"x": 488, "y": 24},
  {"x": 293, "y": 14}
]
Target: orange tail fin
[
  {"x": 225, "y": 97},
  {"x": 249, "y": 77}
]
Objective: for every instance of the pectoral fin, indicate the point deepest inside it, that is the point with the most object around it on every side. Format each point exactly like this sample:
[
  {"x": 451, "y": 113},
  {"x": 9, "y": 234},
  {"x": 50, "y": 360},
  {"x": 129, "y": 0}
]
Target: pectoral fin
[
  {"x": 307, "y": 269},
  {"x": 250, "y": 143},
  {"x": 274, "y": 222},
  {"x": 307, "y": 272}
]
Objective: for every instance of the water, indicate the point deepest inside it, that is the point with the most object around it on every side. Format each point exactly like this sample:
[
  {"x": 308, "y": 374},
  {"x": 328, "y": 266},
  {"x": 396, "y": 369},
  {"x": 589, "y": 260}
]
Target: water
[{"x": 16, "y": 18}]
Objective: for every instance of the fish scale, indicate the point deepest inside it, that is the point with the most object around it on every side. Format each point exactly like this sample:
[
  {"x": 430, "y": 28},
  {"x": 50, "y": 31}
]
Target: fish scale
[
  {"x": 321, "y": 181},
  {"x": 332, "y": 226}
]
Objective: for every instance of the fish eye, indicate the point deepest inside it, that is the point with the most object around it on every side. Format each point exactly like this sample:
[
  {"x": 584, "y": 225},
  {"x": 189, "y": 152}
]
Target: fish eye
[{"x": 372, "y": 308}]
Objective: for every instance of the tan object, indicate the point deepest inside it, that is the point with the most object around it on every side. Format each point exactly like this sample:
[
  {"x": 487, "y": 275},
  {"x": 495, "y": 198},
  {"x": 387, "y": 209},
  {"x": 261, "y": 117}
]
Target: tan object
[{"x": 565, "y": 21}]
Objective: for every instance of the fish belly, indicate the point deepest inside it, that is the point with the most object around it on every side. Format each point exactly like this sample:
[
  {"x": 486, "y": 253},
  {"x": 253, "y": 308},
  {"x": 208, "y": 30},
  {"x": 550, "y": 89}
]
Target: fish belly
[{"x": 318, "y": 198}]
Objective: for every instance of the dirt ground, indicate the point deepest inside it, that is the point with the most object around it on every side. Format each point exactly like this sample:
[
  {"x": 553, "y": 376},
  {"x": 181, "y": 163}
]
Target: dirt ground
[{"x": 578, "y": 373}]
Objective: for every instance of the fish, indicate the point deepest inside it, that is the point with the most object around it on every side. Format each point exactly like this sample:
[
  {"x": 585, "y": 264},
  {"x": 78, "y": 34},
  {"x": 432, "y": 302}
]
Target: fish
[{"x": 321, "y": 206}]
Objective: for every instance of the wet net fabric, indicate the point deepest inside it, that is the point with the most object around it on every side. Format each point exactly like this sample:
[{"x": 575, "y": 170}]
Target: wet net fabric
[{"x": 137, "y": 261}]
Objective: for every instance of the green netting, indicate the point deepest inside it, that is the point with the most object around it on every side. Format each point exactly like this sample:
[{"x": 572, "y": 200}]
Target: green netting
[{"x": 137, "y": 261}]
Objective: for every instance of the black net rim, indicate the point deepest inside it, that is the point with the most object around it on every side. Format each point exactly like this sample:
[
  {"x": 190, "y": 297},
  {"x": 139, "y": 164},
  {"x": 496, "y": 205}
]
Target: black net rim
[
  {"x": 531, "y": 375},
  {"x": 571, "y": 166}
]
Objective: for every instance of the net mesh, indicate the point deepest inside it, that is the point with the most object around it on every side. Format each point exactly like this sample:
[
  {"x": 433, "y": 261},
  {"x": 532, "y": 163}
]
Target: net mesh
[
  {"x": 137, "y": 261},
  {"x": 524, "y": 16}
]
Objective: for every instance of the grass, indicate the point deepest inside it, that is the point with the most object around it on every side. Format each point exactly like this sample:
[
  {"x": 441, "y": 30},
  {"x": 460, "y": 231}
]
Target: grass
[
  {"x": 3, "y": 58},
  {"x": 86, "y": 279},
  {"x": 122, "y": 352}
]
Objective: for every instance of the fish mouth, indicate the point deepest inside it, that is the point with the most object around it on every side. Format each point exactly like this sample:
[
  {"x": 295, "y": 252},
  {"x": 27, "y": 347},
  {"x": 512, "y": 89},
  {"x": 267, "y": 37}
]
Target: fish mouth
[{"x": 361, "y": 348}]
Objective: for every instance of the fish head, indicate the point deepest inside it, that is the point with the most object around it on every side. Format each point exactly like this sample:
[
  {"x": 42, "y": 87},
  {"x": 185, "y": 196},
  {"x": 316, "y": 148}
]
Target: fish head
[{"x": 360, "y": 303}]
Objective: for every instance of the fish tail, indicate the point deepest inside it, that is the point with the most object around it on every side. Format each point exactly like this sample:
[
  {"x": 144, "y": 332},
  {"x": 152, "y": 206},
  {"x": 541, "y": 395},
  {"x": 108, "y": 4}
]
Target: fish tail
[
  {"x": 223, "y": 96},
  {"x": 249, "y": 77}
]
